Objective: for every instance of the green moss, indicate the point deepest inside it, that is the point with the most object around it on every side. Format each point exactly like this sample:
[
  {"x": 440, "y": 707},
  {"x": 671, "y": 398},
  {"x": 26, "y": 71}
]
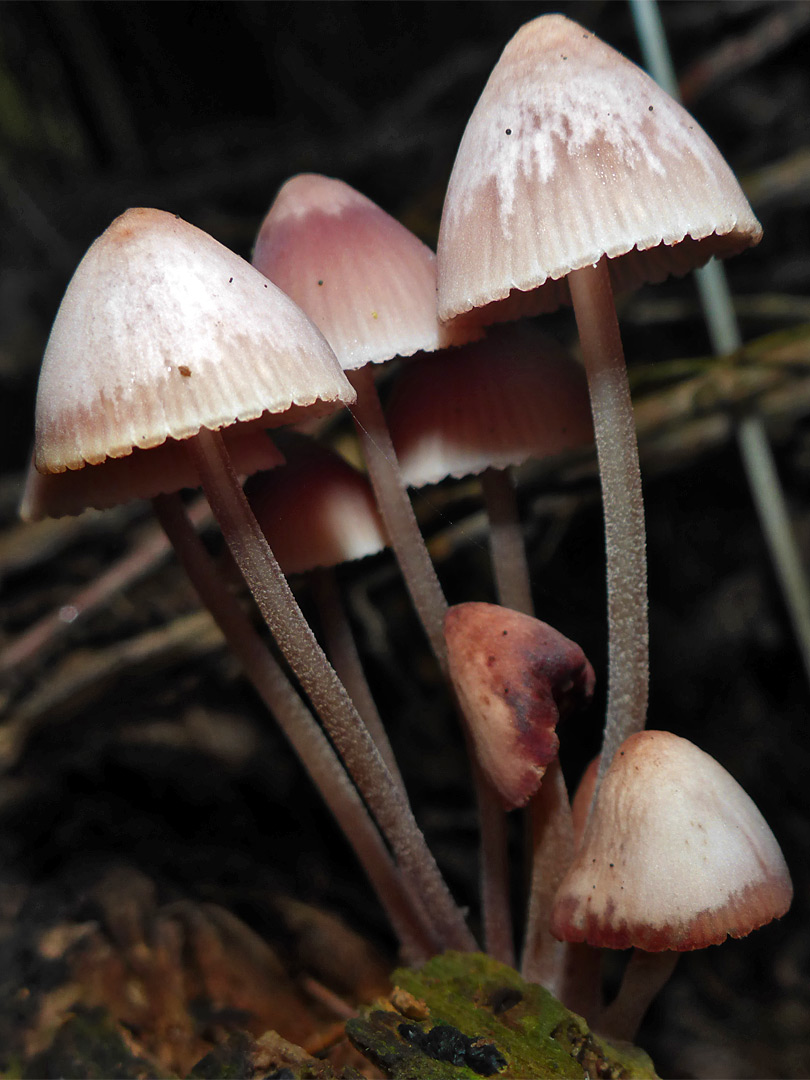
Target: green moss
[{"x": 488, "y": 1022}]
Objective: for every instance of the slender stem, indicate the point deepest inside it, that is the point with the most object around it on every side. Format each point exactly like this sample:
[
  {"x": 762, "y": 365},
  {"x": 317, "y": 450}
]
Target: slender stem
[
  {"x": 301, "y": 730},
  {"x": 341, "y": 648},
  {"x": 506, "y": 542},
  {"x": 494, "y": 870},
  {"x": 420, "y": 577},
  {"x": 623, "y": 507},
  {"x": 397, "y": 513},
  {"x": 552, "y": 851},
  {"x": 319, "y": 681},
  {"x": 646, "y": 974}
]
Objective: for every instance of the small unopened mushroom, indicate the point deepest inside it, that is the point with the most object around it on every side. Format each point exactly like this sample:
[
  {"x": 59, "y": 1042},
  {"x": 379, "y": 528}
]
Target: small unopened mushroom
[
  {"x": 515, "y": 678},
  {"x": 676, "y": 856}
]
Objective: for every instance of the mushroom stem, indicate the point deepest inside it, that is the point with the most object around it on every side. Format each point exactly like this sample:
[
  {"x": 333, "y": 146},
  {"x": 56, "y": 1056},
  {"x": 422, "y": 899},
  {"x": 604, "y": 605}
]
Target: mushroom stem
[
  {"x": 506, "y": 542},
  {"x": 645, "y": 976},
  {"x": 407, "y": 917},
  {"x": 494, "y": 871},
  {"x": 341, "y": 648},
  {"x": 420, "y": 577},
  {"x": 291, "y": 631},
  {"x": 396, "y": 511},
  {"x": 623, "y": 507},
  {"x": 552, "y": 850}
]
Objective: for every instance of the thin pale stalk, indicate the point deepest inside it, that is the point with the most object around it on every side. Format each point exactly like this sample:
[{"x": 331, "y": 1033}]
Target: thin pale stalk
[
  {"x": 423, "y": 585},
  {"x": 623, "y": 507},
  {"x": 645, "y": 976},
  {"x": 397, "y": 513},
  {"x": 494, "y": 871},
  {"x": 552, "y": 850},
  {"x": 333, "y": 705},
  {"x": 506, "y": 543},
  {"x": 305, "y": 736},
  {"x": 341, "y": 648}
]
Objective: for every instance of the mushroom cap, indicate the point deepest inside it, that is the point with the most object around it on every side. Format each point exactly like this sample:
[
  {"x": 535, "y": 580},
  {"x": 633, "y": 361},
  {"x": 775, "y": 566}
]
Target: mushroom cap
[
  {"x": 364, "y": 279},
  {"x": 515, "y": 395},
  {"x": 317, "y": 510},
  {"x": 514, "y": 677},
  {"x": 573, "y": 153},
  {"x": 163, "y": 331},
  {"x": 675, "y": 856},
  {"x": 143, "y": 474}
]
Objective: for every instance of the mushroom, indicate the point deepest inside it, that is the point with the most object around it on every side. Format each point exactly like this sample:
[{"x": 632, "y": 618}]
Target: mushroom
[
  {"x": 515, "y": 677},
  {"x": 576, "y": 175},
  {"x": 142, "y": 350},
  {"x": 481, "y": 409},
  {"x": 675, "y": 857},
  {"x": 369, "y": 285}
]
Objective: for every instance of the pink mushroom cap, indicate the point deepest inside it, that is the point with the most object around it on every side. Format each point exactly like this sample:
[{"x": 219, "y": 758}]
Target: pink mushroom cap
[
  {"x": 316, "y": 510},
  {"x": 573, "y": 153},
  {"x": 675, "y": 856}
]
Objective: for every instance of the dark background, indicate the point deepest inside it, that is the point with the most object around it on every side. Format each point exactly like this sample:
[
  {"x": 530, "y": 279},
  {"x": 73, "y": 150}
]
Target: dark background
[{"x": 204, "y": 109}]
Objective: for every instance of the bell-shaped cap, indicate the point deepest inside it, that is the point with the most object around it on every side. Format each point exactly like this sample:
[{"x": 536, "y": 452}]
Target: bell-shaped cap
[
  {"x": 364, "y": 279},
  {"x": 573, "y": 153},
  {"x": 163, "y": 331},
  {"x": 675, "y": 856},
  {"x": 514, "y": 677},
  {"x": 498, "y": 402},
  {"x": 316, "y": 510},
  {"x": 143, "y": 474}
]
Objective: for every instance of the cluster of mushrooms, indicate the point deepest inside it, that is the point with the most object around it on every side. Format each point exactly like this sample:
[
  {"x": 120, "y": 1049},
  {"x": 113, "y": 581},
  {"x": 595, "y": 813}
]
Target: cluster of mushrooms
[{"x": 171, "y": 357}]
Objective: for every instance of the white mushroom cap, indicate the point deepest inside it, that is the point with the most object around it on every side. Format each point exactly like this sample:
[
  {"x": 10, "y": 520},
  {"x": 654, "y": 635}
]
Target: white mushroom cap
[
  {"x": 163, "y": 331},
  {"x": 316, "y": 510},
  {"x": 364, "y": 279},
  {"x": 572, "y": 153},
  {"x": 675, "y": 856},
  {"x": 498, "y": 402}
]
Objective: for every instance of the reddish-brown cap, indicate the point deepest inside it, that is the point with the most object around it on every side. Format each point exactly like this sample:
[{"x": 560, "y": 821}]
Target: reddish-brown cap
[
  {"x": 514, "y": 677},
  {"x": 163, "y": 331},
  {"x": 572, "y": 153},
  {"x": 515, "y": 395},
  {"x": 317, "y": 510},
  {"x": 675, "y": 856},
  {"x": 364, "y": 279}
]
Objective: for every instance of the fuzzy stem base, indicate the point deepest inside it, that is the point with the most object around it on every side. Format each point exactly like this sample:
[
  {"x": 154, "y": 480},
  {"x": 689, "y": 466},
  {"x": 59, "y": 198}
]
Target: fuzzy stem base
[
  {"x": 291, "y": 631},
  {"x": 305, "y": 736},
  {"x": 552, "y": 851}
]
